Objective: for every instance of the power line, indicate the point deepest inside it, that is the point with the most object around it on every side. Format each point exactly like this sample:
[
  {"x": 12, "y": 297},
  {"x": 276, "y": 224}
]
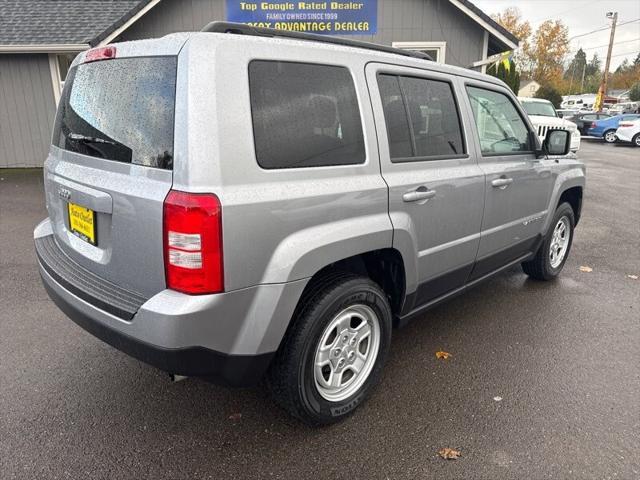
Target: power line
[
  {"x": 602, "y": 29},
  {"x": 623, "y": 54},
  {"x": 606, "y": 45}
]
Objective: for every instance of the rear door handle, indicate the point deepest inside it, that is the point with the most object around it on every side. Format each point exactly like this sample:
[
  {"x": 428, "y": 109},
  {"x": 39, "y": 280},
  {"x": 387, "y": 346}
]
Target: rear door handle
[
  {"x": 502, "y": 182},
  {"x": 421, "y": 193}
]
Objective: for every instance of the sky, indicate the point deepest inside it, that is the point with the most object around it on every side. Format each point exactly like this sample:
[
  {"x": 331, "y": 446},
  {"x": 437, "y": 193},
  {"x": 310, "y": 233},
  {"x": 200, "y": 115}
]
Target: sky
[{"x": 583, "y": 16}]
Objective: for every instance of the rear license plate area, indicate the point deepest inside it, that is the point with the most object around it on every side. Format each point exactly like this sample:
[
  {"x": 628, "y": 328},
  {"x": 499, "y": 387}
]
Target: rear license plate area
[{"x": 82, "y": 222}]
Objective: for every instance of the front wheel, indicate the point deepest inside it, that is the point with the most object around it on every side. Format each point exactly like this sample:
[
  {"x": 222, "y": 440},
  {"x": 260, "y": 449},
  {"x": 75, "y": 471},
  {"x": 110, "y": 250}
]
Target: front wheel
[
  {"x": 636, "y": 140},
  {"x": 553, "y": 253},
  {"x": 610, "y": 136},
  {"x": 333, "y": 355}
]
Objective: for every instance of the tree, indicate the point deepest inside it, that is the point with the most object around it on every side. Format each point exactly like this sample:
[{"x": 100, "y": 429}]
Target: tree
[
  {"x": 549, "y": 93},
  {"x": 593, "y": 74},
  {"x": 626, "y": 75},
  {"x": 634, "y": 93},
  {"x": 511, "y": 19},
  {"x": 511, "y": 76},
  {"x": 549, "y": 47},
  {"x": 573, "y": 73}
]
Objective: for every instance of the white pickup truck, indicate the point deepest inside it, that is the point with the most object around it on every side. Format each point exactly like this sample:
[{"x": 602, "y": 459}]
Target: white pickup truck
[{"x": 544, "y": 117}]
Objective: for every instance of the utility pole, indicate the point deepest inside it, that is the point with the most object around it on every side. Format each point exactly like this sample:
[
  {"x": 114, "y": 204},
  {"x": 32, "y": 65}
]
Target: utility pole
[
  {"x": 584, "y": 69},
  {"x": 605, "y": 76}
]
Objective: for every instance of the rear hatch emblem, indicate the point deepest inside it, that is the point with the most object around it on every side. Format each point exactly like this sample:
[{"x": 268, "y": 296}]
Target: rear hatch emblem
[{"x": 64, "y": 193}]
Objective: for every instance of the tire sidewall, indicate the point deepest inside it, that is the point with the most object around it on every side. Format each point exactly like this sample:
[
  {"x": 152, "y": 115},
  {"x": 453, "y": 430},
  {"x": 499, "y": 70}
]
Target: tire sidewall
[
  {"x": 563, "y": 210},
  {"x": 318, "y": 407}
]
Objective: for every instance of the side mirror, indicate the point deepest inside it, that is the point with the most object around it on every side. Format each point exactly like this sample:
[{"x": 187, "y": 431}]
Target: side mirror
[
  {"x": 557, "y": 142},
  {"x": 560, "y": 115}
]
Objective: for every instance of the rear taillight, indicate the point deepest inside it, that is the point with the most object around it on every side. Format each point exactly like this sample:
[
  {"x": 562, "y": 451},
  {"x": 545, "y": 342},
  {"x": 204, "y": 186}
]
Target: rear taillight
[
  {"x": 193, "y": 243},
  {"x": 102, "y": 53}
]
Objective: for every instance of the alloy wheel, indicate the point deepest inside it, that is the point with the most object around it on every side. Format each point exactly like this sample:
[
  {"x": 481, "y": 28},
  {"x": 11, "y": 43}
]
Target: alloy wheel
[
  {"x": 559, "y": 242},
  {"x": 346, "y": 353}
]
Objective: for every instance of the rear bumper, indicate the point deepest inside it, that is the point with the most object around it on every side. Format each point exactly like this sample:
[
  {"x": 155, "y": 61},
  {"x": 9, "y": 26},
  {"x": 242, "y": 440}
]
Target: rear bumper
[
  {"x": 228, "y": 338},
  {"x": 233, "y": 370}
]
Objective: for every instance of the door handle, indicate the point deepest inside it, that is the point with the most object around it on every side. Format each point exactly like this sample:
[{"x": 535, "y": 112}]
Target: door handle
[
  {"x": 502, "y": 182},
  {"x": 420, "y": 194}
]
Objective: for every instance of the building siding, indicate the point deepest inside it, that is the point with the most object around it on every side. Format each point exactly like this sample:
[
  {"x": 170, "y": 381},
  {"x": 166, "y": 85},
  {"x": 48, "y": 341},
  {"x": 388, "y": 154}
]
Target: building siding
[
  {"x": 398, "y": 21},
  {"x": 27, "y": 110}
]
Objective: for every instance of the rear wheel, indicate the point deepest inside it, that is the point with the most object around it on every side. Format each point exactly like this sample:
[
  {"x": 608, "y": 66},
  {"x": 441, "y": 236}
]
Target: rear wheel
[
  {"x": 334, "y": 353},
  {"x": 636, "y": 140},
  {"x": 610, "y": 136},
  {"x": 553, "y": 253}
]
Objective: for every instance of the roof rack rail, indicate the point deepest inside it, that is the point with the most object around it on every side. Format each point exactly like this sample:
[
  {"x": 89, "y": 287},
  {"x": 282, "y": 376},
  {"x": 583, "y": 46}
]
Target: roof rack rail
[{"x": 243, "y": 29}]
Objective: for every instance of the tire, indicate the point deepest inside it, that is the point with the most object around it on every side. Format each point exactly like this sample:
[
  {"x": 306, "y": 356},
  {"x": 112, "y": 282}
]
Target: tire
[
  {"x": 635, "y": 141},
  {"x": 609, "y": 136},
  {"x": 303, "y": 389},
  {"x": 544, "y": 266}
]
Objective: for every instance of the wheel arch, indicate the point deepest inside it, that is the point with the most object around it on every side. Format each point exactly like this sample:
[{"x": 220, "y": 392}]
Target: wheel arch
[
  {"x": 573, "y": 196},
  {"x": 569, "y": 187}
]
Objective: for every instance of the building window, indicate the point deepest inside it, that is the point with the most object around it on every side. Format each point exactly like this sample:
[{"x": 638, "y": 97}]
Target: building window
[{"x": 435, "y": 50}]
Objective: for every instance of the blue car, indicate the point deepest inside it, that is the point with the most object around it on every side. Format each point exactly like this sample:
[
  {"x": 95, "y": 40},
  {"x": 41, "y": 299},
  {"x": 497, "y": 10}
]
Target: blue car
[{"x": 606, "y": 128}]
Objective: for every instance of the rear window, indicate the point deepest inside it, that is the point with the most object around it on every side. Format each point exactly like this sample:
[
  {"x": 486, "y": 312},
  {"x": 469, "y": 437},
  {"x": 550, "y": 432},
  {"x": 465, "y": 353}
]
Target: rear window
[
  {"x": 304, "y": 115},
  {"x": 121, "y": 110}
]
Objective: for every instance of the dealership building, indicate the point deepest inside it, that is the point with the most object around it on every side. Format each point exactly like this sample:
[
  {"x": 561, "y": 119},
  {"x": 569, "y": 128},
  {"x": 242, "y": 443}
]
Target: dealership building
[{"x": 40, "y": 38}]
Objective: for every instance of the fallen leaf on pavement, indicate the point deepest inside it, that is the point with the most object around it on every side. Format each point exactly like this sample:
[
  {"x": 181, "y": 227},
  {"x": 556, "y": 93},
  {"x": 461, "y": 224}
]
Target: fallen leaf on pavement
[
  {"x": 586, "y": 269},
  {"x": 497, "y": 399},
  {"x": 442, "y": 355},
  {"x": 449, "y": 453},
  {"x": 235, "y": 416},
  {"x": 633, "y": 277}
]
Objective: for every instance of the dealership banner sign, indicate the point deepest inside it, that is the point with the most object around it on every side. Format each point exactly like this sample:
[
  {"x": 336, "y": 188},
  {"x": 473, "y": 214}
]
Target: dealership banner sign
[{"x": 330, "y": 18}]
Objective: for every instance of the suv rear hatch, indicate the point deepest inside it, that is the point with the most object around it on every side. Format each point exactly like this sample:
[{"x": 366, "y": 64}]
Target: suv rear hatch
[{"x": 110, "y": 166}]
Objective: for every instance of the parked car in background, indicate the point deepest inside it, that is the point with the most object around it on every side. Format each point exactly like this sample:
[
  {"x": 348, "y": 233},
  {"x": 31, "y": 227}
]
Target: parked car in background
[
  {"x": 544, "y": 117},
  {"x": 584, "y": 120},
  {"x": 624, "y": 108},
  {"x": 629, "y": 131},
  {"x": 606, "y": 128},
  {"x": 567, "y": 113}
]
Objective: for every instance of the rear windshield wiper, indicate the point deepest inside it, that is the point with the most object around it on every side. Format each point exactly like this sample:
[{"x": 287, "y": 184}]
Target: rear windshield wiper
[{"x": 78, "y": 137}]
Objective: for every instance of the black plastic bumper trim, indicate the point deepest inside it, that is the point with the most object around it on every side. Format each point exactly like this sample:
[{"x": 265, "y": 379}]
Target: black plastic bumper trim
[
  {"x": 221, "y": 368},
  {"x": 87, "y": 285}
]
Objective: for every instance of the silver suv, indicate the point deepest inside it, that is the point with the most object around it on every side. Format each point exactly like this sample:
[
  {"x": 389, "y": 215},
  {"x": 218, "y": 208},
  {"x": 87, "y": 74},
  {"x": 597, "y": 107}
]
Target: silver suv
[{"x": 240, "y": 203}]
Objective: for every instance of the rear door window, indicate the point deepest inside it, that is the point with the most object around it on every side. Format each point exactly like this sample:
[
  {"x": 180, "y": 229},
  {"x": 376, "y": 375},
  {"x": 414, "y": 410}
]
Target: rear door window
[
  {"x": 422, "y": 118},
  {"x": 304, "y": 115},
  {"x": 120, "y": 109}
]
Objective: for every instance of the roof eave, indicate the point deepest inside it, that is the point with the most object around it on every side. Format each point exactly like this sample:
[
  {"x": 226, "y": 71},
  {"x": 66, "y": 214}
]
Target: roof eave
[
  {"x": 507, "y": 38},
  {"x": 45, "y": 48},
  {"x": 123, "y": 23}
]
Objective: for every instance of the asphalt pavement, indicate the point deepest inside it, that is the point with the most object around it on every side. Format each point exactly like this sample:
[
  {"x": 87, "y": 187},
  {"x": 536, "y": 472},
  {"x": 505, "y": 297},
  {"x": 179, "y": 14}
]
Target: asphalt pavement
[{"x": 543, "y": 381}]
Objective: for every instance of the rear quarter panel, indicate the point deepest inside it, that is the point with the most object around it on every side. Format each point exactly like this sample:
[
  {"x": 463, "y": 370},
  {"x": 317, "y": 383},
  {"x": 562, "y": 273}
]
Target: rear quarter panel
[{"x": 278, "y": 225}]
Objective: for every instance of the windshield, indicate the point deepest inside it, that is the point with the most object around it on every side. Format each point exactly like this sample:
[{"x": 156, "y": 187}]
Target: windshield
[
  {"x": 543, "y": 109},
  {"x": 120, "y": 109}
]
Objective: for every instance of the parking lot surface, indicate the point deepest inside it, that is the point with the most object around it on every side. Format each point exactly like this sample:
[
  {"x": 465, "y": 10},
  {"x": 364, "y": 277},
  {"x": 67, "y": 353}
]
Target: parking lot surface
[{"x": 543, "y": 381}]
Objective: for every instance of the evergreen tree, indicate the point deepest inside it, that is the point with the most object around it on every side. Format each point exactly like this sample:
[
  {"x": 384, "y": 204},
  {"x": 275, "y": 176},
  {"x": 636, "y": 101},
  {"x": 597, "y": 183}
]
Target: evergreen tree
[
  {"x": 574, "y": 70},
  {"x": 511, "y": 76},
  {"x": 549, "y": 93}
]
